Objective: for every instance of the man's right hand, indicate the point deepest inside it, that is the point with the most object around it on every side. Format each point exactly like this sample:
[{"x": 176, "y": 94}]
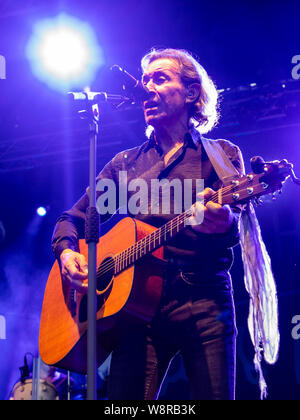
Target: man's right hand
[{"x": 74, "y": 270}]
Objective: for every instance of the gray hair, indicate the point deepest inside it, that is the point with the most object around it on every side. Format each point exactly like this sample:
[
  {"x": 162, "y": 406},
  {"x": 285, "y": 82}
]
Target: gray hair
[{"x": 204, "y": 111}]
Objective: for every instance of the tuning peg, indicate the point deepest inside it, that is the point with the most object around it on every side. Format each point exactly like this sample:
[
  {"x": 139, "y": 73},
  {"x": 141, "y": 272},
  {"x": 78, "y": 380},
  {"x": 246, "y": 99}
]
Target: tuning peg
[{"x": 274, "y": 196}]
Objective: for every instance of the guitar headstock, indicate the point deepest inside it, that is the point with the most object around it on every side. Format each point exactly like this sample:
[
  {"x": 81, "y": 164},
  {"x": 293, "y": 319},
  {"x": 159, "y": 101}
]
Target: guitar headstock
[{"x": 255, "y": 185}]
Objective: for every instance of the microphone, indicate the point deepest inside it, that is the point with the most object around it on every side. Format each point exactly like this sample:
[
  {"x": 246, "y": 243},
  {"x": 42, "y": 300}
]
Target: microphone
[{"x": 132, "y": 86}]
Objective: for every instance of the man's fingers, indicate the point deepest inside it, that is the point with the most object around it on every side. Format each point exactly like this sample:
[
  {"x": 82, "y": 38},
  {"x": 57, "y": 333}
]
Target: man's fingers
[
  {"x": 211, "y": 217},
  {"x": 197, "y": 217},
  {"x": 77, "y": 280},
  {"x": 81, "y": 263},
  {"x": 217, "y": 209},
  {"x": 206, "y": 193},
  {"x": 75, "y": 270},
  {"x": 78, "y": 275}
]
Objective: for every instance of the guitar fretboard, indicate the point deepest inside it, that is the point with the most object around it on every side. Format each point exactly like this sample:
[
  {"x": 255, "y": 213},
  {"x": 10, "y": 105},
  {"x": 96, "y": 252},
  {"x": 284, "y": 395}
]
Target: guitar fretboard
[{"x": 151, "y": 242}]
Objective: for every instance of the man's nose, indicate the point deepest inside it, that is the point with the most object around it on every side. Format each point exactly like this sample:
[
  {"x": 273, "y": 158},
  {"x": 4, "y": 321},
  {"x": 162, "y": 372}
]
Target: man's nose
[{"x": 150, "y": 88}]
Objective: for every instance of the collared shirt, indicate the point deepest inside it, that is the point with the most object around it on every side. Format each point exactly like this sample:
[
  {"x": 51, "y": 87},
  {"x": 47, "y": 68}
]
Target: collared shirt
[{"x": 145, "y": 165}]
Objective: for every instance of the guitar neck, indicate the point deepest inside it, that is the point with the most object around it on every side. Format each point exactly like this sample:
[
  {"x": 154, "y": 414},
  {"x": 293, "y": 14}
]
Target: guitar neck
[
  {"x": 164, "y": 234},
  {"x": 241, "y": 190},
  {"x": 150, "y": 242}
]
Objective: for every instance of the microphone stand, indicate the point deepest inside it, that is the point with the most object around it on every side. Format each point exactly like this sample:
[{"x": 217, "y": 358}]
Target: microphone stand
[
  {"x": 92, "y": 234},
  {"x": 92, "y": 225}
]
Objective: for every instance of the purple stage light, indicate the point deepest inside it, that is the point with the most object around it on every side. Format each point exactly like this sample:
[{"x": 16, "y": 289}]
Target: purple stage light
[{"x": 64, "y": 52}]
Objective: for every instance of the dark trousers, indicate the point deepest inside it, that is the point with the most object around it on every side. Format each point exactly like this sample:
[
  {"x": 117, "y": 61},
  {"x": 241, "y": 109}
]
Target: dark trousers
[{"x": 197, "y": 320}]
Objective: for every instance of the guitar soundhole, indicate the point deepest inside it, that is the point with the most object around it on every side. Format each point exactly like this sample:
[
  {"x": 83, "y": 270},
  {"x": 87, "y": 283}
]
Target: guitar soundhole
[
  {"x": 105, "y": 274},
  {"x": 83, "y": 308}
]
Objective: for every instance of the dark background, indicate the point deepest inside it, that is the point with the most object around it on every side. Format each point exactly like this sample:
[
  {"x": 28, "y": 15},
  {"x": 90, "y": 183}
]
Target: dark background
[{"x": 44, "y": 150}]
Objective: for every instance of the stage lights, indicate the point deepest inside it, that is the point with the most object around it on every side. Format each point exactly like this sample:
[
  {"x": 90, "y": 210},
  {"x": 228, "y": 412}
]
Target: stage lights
[
  {"x": 41, "y": 211},
  {"x": 64, "y": 53}
]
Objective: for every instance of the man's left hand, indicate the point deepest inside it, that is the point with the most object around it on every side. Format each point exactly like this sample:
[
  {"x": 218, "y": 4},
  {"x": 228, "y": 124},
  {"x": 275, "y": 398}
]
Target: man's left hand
[{"x": 212, "y": 217}]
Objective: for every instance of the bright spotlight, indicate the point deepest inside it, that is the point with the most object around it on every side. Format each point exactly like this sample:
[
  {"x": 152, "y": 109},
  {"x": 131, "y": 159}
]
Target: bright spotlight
[
  {"x": 64, "y": 53},
  {"x": 41, "y": 211}
]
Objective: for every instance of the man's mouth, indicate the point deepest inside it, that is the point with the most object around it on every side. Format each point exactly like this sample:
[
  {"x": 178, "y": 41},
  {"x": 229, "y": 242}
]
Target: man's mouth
[{"x": 150, "y": 105}]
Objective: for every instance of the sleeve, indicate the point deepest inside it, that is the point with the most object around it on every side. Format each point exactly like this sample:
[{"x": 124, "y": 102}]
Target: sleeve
[
  {"x": 231, "y": 238},
  {"x": 70, "y": 226}
]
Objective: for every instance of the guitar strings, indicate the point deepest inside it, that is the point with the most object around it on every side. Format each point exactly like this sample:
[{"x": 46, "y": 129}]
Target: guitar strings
[
  {"x": 119, "y": 259},
  {"x": 141, "y": 245}
]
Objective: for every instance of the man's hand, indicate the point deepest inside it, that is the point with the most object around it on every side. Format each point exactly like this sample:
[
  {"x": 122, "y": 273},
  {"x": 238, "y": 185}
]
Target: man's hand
[
  {"x": 74, "y": 270},
  {"x": 211, "y": 217}
]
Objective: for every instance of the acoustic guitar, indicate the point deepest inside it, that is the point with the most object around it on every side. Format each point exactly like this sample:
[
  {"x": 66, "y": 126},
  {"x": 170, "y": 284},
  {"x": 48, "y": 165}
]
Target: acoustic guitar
[{"x": 129, "y": 277}]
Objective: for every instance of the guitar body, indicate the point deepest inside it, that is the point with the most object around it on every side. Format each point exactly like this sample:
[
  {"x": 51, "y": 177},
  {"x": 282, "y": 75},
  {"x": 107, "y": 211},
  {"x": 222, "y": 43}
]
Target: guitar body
[{"x": 123, "y": 299}]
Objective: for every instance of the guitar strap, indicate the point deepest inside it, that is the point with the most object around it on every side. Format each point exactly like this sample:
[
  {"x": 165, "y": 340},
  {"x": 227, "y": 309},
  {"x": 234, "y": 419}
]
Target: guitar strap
[
  {"x": 223, "y": 166},
  {"x": 258, "y": 277}
]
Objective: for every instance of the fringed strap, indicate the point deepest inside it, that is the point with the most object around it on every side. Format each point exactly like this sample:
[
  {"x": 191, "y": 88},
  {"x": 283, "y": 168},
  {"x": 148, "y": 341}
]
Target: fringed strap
[
  {"x": 260, "y": 284},
  {"x": 258, "y": 276}
]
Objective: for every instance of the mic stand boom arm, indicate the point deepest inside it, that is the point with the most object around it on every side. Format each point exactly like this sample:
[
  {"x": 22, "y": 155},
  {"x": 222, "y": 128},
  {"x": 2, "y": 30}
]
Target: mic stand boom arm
[{"x": 99, "y": 98}]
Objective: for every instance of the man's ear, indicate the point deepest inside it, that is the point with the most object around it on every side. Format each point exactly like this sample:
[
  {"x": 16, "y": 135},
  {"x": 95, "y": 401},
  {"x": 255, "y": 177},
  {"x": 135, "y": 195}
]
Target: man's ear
[{"x": 193, "y": 92}]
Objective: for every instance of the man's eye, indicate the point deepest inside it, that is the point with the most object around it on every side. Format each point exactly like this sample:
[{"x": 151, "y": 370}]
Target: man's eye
[{"x": 160, "y": 79}]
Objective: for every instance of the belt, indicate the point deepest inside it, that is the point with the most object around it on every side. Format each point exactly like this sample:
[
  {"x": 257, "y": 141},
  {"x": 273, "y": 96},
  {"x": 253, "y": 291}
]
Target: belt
[{"x": 193, "y": 273}]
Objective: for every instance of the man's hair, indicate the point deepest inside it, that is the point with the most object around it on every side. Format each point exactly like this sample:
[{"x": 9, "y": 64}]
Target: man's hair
[{"x": 204, "y": 111}]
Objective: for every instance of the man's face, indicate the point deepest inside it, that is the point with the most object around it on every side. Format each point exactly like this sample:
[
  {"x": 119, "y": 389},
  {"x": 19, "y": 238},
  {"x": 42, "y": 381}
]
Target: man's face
[{"x": 167, "y": 102}]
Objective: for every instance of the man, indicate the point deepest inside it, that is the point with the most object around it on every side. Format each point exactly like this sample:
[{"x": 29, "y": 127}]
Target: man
[{"x": 196, "y": 313}]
